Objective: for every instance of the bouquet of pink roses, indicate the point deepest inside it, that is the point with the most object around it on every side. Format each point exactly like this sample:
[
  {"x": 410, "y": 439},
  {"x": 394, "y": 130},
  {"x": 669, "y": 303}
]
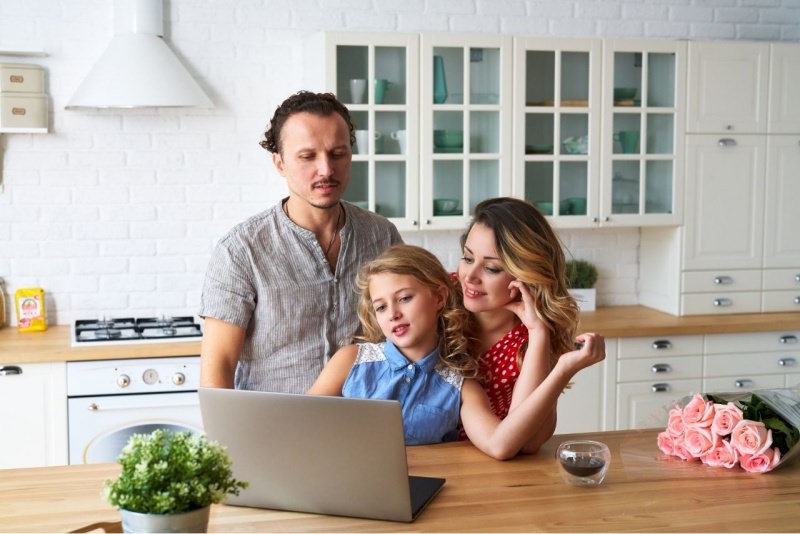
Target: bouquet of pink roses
[{"x": 719, "y": 432}]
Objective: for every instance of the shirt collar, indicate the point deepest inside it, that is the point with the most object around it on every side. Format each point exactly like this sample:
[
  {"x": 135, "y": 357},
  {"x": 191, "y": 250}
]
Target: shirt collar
[{"x": 397, "y": 361}]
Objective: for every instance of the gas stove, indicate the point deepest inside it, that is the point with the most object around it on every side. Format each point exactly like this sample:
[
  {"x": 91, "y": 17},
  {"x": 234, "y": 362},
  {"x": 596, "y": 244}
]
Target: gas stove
[{"x": 130, "y": 330}]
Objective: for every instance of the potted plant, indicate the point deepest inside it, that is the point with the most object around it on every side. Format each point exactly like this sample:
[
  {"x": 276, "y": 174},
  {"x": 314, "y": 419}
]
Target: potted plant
[
  {"x": 581, "y": 278},
  {"x": 169, "y": 481}
]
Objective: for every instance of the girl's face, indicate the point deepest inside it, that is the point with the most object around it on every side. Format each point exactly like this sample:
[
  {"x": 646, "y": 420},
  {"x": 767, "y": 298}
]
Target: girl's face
[
  {"x": 484, "y": 280},
  {"x": 407, "y": 312}
]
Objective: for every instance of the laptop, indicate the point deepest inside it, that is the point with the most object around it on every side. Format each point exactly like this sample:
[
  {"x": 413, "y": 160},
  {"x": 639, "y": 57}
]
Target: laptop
[{"x": 323, "y": 455}]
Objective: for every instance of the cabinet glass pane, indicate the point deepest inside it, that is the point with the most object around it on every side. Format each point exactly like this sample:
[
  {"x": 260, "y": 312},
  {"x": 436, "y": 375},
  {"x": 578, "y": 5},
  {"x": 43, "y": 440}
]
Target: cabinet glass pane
[
  {"x": 484, "y": 76},
  {"x": 484, "y": 181},
  {"x": 449, "y": 81},
  {"x": 351, "y": 64},
  {"x": 386, "y": 124},
  {"x": 574, "y": 133},
  {"x": 575, "y": 78},
  {"x": 626, "y": 133},
  {"x": 625, "y": 187},
  {"x": 660, "y": 80},
  {"x": 658, "y": 187},
  {"x": 539, "y": 186},
  {"x": 484, "y": 137},
  {"x": 390, "y": 188},
  {"x": 539, "y": 133},
  {"x": 660, "y": 133},
  {"x": 448, "y": 183},
  {"x": 390, "y": 65},
  {"x": 448, "y": 132},
  {"x": 574, "y": 188},
  {"x": 540, "y": 78},
  {"x": 627, "y": 77},
  {"x": 357, "y": 190}
]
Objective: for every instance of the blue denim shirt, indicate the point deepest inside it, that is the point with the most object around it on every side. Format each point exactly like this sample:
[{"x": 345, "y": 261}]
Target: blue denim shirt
[{"x": 429, "y": 393}]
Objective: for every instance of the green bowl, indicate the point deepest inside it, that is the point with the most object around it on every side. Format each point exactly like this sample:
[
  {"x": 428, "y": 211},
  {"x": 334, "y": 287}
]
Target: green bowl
[
  {"x": 624, "y": 93},
  {"x": 448, "y": 138},
  {"x": 545, "y": 207}
]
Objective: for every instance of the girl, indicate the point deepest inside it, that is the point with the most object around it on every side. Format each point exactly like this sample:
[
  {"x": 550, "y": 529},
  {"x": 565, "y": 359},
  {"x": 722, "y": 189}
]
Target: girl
[
  {"x": 513, "y": 280},
  {"x": 418, "y": 350}
]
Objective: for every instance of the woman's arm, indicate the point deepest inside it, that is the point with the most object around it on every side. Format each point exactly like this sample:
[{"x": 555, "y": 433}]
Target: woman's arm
[
  {"x": 504, "y": 439},
  {"x": 331, "y": 380}
]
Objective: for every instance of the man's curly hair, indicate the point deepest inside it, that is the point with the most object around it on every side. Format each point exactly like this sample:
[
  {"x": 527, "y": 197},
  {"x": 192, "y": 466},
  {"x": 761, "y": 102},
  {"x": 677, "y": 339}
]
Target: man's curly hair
[{"x": 322, "y": 104}]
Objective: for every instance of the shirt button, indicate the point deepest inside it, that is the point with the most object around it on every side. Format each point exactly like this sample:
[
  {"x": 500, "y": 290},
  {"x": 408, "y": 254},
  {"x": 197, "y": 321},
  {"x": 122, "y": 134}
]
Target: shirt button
[
  {"x": 408, "y": 380},
  {"x": 410, "y": 366}
]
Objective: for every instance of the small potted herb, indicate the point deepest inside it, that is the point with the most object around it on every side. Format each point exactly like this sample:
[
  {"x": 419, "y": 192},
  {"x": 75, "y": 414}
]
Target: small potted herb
[
  {"x": 169, "y": 481},
  {"x": 581, "y": 278}
]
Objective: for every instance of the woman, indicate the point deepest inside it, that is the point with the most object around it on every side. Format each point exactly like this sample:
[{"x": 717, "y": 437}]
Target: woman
[{"x": 510, "y": 252}]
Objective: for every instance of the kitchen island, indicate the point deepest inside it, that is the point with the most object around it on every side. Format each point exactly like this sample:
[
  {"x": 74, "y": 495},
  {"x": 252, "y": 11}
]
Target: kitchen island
[{"x": 643, "y": 492}]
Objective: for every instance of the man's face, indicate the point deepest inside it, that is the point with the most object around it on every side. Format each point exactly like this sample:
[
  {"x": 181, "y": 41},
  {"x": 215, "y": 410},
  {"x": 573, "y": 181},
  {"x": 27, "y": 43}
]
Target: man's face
[{"x": 315, "y": 157}]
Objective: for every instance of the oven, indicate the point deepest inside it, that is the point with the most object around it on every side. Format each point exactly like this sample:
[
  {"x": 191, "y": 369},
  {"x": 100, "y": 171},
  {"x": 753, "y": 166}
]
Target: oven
[{"x": 110, "y": 400}]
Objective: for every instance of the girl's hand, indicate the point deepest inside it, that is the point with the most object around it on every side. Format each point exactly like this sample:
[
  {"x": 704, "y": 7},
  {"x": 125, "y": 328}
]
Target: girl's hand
[
  {"x": 591, "y": 350},
  {"x": 523, "y": 306}
]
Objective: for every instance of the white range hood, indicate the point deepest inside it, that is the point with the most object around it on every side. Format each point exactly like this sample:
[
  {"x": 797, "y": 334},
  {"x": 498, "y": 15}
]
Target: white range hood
[{"x": 138, "y": 70}]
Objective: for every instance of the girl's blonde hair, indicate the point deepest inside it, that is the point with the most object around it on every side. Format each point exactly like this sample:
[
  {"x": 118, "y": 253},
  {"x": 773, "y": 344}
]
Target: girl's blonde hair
[
  {"x": 531, "y": 252},
  {"x": 458, "y": 344}
]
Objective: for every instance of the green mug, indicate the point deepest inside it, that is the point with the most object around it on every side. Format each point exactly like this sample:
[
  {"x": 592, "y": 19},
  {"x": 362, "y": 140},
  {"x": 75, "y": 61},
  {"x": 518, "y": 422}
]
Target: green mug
[
  {"x": 629, "y": 142},
  {"x": 381, "y": 86}
]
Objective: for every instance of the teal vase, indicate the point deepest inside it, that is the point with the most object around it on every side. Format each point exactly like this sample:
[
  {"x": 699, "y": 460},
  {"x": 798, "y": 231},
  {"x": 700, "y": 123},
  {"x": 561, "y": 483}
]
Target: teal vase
[{"x": 439, "y": 81}]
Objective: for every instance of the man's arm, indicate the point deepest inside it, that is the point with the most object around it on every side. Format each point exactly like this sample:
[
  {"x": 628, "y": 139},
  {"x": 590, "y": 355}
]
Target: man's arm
[{"x": 219, "y": 353}]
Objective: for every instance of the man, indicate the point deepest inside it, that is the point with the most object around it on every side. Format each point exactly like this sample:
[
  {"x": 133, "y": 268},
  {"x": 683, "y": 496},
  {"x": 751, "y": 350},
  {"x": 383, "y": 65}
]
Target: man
[{"x": 279, "y": 295}]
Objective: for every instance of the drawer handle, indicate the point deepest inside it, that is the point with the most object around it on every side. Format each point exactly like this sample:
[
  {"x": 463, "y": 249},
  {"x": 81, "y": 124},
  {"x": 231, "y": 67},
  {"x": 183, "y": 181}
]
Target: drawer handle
[
  {"x": 797, "y": 277},
  {"x": 8, "y": 370},
  {"x": 661, "y": 344},
  {"x": 791, "y": 339},
  {"x": 726, "y": 141},
  {"x": 797, "y": 300},
  {"x": 743, "y": 383},
  {"x": 721, "y": 303},
  {"x": 661, "y": 387},
  {"x": 723, "y": 280},
  {"x": 787, "y": 362},
  {"x": 662, "y": 368}
]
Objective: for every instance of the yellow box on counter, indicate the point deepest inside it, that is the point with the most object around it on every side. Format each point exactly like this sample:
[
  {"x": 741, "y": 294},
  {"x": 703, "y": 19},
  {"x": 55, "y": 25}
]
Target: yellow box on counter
[
  {"x": 31, "y": 315},
  {"x": 23, "y": 112},
  {"x": 21, "y": 78}
]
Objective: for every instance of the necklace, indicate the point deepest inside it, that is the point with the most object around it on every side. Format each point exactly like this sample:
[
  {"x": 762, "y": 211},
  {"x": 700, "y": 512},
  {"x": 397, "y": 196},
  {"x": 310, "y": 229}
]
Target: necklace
[{"x": 335, "y": 228}]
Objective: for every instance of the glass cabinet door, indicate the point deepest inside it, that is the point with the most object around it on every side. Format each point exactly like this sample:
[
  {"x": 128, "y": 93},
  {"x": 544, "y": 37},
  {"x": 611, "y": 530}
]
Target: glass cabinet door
[
  {"x": 465, "y": 125},
  {"x": 642, "y": 132},
  {"x": 557, "y": 127},
  {"x": 376, "y": 77}
]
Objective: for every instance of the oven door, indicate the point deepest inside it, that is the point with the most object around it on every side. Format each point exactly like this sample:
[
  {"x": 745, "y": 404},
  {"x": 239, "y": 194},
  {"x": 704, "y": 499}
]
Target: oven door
[{"x": 99, "y": 427}]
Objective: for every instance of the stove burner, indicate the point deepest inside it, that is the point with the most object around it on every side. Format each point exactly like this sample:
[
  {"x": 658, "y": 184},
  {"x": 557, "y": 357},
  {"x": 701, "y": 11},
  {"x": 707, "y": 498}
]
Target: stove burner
[
  {"x": 131, "y": 330},
  {"x": 169, "y": 331},
  {"x": 105, "y": 324},
  {"x": 108, "y": 333}
]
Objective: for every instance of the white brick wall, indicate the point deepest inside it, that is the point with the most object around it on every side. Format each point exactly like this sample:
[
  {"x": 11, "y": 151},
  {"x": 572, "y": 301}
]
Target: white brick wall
[{"x": 116, "y": 211}]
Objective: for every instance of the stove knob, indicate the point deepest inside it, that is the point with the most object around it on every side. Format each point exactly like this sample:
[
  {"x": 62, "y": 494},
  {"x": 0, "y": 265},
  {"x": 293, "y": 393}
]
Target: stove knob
[
  {"x": 178, "y": 379},
  {"x": 123, "y": 381}
]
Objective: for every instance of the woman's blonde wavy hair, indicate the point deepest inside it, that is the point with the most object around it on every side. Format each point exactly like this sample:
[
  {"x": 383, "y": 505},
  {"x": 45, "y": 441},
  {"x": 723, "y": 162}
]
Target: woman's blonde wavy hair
[
  {"x": 458, "y": 344},
  {"x": 532, "y": 252}
]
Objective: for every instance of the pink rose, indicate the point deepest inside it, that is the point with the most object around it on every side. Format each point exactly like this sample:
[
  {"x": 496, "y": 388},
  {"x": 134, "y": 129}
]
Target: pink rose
[
  {"x": 750, "y": 437},
  {"x": 761, "y": 463},
  {"x": 679, "y": 449},
  {"x": 726, "y": 417},
  {"x": 699, "y": 441},
  {"x": 665, "y": 443},
  {"x": 699, "y": 412},
  {"x": 723, "y": 455},
  {"x": 675, "y": 423}
]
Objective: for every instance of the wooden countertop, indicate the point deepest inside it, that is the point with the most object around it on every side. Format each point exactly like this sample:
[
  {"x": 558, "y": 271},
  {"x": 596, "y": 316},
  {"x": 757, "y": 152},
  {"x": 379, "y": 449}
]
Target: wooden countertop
[
  {"x": 53, "y": 345},
  {"x": 643, "y": 492}
]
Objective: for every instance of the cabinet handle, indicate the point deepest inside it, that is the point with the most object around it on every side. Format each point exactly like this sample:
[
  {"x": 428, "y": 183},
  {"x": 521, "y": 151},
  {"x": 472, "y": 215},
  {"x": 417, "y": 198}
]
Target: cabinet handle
[
  {"x": 414, "y": 222},
  {"x": 661, "y": 344},
  {"x": 661, "y": 387},
  {"x": 797, "y": 277},
  {"x": 8, "y": 370},
  {"x": 791, "y": 339},
  {"x": 729, "y": 127},
  {"x": 743, "y": 383},
  {"x": 723, "y": 280},
  {"x": 726, "y": 142},
  {"x": 722, "y": 302},
  {"x": 661, "y": 368},
  {"x": 787, "y": 362},
  {"x": 797, "y": 300},
  {"x": 428, "y": 221}
]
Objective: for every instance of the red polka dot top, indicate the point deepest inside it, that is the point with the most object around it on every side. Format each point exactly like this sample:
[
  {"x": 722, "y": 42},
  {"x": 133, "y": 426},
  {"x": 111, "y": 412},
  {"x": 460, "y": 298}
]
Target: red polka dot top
[{"x": 499, "y": 365}]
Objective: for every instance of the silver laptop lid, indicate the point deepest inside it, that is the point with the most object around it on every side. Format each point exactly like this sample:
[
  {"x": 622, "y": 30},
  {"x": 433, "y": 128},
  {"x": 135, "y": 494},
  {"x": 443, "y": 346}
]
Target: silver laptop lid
[{"x": 324, "y": 455}]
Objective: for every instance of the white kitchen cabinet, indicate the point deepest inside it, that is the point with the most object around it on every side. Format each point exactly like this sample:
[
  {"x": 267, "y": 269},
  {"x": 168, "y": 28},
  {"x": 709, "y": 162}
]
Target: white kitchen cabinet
[
  {"x": 557, "y": 107},
  {"x": 642, "y": 137},
  {"x": 33, "y": 411},
  {"x": 728, "y": 85},
  {"x": 583, "y": 406},
  {"x": 784, "y": 106}
]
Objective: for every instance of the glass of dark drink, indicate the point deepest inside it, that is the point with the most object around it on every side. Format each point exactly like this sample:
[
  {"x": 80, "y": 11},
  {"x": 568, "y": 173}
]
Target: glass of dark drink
[{"x": 583, "y": 462}]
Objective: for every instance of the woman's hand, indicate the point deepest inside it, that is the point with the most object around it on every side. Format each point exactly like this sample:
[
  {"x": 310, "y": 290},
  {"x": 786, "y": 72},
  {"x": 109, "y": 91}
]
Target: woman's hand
[
  {"x": 523, "y": 306},
  {"x": 591, "y": 350}
]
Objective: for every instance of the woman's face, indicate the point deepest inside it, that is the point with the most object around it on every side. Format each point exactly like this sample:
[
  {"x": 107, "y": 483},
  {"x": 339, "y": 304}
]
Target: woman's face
[
  {"x": 484, "y": 280},
  {"x": 407, "y": 312}
]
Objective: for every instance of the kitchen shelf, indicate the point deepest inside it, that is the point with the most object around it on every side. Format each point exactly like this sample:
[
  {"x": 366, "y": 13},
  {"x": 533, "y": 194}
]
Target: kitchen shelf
[{"x": 22, "y": 53}]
